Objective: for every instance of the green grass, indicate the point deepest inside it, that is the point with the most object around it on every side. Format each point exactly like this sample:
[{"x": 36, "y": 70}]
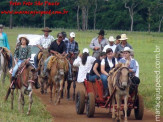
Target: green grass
[{"x": 143, "y": 45}]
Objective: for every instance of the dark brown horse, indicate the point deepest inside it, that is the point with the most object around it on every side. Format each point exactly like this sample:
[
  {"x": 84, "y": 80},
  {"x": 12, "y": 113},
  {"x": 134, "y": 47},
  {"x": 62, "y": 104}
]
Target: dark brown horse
[
  {"x": 74, "y": 70},
  {"x": 58, "y": 66},
  {"x": 25, "y": 77},
  {"x": 120, "y": 82}
]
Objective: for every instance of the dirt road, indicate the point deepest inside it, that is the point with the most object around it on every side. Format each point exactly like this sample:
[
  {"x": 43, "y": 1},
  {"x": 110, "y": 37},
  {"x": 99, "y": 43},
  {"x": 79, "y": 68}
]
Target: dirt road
[{"x": 66, "y": 112}]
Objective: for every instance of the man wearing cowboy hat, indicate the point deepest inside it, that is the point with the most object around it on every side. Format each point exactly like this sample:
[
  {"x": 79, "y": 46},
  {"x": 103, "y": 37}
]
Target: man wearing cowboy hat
[
  {"x": 44, "y": 43},
  {"x": 117, "y": 40},
  {"x": 97, "y": 44},
  {"x": 120, "y": 47},
  {"x": 110, "y": 45},
  {"x": 4, "y": 43}
]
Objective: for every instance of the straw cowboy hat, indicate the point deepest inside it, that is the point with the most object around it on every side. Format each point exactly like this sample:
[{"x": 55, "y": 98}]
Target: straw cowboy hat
[
  {"x": 123, "y": 37},
  {"x": 1, "y": 26},
  {"x": 127, "y": 49},
  {"x": 111, "y": 39},
  {"x": 27, "y": 40},
  {"x": 46, "y": 29}
]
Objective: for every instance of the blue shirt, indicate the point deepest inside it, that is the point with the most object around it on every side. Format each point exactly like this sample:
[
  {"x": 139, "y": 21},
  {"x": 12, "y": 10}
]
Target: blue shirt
[
  {"x": 132, "y": 65},
  {"x": 5, "y": 41},
  {"x": 71, "y": 46}
]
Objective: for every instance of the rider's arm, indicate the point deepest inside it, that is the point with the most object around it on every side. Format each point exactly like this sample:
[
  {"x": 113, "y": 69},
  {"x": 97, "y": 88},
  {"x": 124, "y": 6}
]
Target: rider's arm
[
  {"x": 103, "y": 67},
  {"x": 39, "y": 46},
  {"x": 95, "y": 69}
]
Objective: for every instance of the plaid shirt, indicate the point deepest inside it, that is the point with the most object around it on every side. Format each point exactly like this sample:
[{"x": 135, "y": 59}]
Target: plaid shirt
[{"x": 71, "y": 47}]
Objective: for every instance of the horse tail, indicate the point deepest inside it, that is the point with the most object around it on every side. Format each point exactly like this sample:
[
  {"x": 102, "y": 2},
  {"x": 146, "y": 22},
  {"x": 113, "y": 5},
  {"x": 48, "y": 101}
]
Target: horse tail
[{"x": 8, "y": 93}]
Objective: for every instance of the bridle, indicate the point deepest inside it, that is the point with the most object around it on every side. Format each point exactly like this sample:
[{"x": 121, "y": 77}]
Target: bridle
[{"x": 118, "y": 83}]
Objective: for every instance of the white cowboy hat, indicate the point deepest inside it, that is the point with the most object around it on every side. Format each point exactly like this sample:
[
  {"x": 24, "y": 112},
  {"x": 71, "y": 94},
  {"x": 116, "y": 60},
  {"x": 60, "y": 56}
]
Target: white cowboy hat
[
  {"x": 72, "y": 34},
  {"x": 123, "y": 37},
  {"x": 127, "y": 49},
  {"x": 111, "y": 39},
  {"x": 85, "y": 50}
]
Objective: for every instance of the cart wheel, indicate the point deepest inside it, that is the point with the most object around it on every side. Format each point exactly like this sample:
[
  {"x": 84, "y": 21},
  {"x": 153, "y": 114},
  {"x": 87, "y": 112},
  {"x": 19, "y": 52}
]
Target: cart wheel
[
  {"x": 139, "y": 111},
  {"x": 80, "y": 102},
  {"x": 128, "y": 112},
  {"x": 90, "y": 106}
]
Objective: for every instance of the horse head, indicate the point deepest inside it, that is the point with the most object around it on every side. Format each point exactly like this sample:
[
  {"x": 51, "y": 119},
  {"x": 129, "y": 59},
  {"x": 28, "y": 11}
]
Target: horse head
[
  {"x": 123, "y": 79},
  {"x": 62, "y": 64}
]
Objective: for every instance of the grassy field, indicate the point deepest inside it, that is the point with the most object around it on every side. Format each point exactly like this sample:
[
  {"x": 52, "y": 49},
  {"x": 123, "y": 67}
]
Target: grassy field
[{"x": 144, "y": 45}]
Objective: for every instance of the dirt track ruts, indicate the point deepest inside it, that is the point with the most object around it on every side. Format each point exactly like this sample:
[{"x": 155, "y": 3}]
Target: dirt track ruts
[{"x": 66, "y": 112}]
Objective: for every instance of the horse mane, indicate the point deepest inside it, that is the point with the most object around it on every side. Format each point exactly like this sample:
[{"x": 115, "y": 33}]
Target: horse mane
[{"x": 51, "y": 62}]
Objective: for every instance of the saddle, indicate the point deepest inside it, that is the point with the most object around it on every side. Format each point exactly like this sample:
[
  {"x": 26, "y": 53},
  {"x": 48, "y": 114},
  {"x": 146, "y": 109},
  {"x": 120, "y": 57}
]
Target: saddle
[
  {"x": 19, "y": 72},
  {"x": 40, "y": 55}
]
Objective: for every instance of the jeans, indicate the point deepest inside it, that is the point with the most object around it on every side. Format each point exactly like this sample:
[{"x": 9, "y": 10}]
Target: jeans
[
  {"x": 36, "y": 61},
  {"x": 93, "y": 77},
  {"x": 10, "y": 62},
  {"x": 104, "y": 81},
  {"x": 46, "y": 63},
  {"x": 16, "y": 67}
]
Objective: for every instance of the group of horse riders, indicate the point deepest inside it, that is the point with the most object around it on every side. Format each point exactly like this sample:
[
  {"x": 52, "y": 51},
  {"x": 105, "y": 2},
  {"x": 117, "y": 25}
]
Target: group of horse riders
[{"x": 106, "y": 54}]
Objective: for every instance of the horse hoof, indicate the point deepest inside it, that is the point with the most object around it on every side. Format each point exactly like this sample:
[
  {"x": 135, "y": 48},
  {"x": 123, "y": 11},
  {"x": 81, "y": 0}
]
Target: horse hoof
[{"x": 28, "y": 113}]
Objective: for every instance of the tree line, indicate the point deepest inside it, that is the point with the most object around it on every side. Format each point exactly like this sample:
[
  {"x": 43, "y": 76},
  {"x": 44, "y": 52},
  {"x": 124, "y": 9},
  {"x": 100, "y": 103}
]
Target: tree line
[{"x": 133, "y": 15}]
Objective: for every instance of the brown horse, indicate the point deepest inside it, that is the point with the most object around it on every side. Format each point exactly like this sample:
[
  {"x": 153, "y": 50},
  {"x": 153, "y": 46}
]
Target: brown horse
[
  {"x": 58, "y": 66},
  {"x": 119, "y": 81},
  {"x": 26, "y": 76},
  {"x": 42, "y": 57}
]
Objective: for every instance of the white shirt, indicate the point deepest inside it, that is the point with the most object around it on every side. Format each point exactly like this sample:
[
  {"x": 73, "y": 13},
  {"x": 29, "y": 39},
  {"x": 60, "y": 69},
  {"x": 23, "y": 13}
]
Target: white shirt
[
  {"x": 109, "y": 62},
  {"x": 137, "y": 69},
  {"x": 83, "y": 69},
  {"x": 108, "y": 46},
  {"x": 46, "y": 41}
]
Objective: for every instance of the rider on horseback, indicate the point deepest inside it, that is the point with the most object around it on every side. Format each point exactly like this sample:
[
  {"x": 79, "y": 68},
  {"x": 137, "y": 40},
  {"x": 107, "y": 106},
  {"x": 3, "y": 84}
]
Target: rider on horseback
[
  {"x": 57, "y": 46},
  {"x": 22, "y": 53},
  {"x": 44, "y": 43},
  {"x": 72, "y": 49},
  {"x": 4, "y": 43}
]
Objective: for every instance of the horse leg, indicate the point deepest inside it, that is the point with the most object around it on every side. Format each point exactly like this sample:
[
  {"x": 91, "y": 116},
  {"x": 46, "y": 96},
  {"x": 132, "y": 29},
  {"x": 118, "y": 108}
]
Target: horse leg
[
  {"x": 125, "y": 106},
  {"x": 1, "y": 75},
  {"x": 19, "y": 101},
  {"x": 68, "y": 88},
  {"x": 118, "y": 107},
  {"x": 22, "y": 100},
  {"x": 42, "y": 86},
  {"x": 30, "y": 103},
  {"x": 4, "y": 76},
  {"x": 12, "y": 98},
  {"x": 51, "y": 93},
  {"x": 113, "y": 111},
  {"x": 60, "y": 90}
]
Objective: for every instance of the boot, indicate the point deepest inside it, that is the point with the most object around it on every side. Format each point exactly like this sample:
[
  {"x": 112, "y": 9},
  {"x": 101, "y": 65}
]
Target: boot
[
  {"x": 37, "y": 85},
  {"x": 13, "y": 85},
  {"x": 106, "y": 93}
]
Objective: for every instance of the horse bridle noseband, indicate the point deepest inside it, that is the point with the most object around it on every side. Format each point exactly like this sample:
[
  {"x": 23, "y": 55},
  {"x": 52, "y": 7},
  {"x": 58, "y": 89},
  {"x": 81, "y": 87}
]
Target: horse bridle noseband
[{"x": 118, "y": 80}]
